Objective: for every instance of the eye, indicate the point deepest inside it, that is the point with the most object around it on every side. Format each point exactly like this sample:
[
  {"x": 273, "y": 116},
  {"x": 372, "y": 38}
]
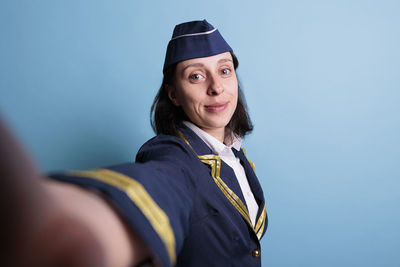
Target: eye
[
  {"x": 196, "y": 77},
  {"x": 226, "y": 71}
]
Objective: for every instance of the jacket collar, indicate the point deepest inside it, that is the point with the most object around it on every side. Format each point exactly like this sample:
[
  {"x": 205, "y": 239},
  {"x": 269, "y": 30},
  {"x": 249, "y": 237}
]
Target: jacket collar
[{"x": 216, "y": 146}]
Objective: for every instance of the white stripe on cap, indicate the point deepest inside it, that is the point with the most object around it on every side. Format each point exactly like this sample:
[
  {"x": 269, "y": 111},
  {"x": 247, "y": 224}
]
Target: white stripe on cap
[{"x": 194, "y": 34}]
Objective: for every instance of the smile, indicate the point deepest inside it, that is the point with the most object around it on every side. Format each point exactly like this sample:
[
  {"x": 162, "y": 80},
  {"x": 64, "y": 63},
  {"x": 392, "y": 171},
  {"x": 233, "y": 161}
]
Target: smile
[{"x": 217, "y": 107}]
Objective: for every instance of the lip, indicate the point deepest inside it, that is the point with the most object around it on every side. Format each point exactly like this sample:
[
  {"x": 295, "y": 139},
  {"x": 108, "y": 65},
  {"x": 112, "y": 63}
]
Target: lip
[{"x": 216, "y": 107}]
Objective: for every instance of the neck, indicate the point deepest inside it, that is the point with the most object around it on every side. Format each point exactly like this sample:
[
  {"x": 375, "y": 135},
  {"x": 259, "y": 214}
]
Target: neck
[{"x": 217, "y": 133}]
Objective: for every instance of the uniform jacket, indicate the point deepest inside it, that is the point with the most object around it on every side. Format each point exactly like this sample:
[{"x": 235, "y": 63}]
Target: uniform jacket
[{"x": 184, "y": 202}]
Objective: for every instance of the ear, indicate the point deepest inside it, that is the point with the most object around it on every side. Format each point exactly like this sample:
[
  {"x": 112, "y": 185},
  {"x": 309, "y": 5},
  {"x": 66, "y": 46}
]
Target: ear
[{"x": 172, "y": 94}]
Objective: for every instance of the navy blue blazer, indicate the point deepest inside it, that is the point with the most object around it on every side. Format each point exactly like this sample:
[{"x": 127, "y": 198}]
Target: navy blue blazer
[{"x": 184, "y": 201}]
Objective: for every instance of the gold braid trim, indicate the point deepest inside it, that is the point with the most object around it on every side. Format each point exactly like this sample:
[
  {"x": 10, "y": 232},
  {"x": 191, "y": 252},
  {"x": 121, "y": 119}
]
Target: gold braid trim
[{"x": 142, "y": 199}]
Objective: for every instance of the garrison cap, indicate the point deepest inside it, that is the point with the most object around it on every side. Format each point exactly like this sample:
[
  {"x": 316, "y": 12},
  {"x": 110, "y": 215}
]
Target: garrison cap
[{"x": 194, "y": 39}]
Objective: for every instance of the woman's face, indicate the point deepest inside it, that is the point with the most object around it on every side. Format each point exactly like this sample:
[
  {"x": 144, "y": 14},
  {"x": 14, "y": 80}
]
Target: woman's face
[{"x": 207, "y": 90}]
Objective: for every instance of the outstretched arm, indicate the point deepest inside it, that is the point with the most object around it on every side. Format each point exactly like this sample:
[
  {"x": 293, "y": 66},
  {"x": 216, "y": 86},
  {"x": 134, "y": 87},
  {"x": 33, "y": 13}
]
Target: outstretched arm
[{"x": 49, "y": 223}]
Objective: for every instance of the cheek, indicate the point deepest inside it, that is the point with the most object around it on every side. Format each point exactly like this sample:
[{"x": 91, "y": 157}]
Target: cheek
[
  {"x": 188, "y": 96},
  {"x": 234, "y": 90},
  {"x": 232, "y": 85},
  {"x": 188, "y": 102}
]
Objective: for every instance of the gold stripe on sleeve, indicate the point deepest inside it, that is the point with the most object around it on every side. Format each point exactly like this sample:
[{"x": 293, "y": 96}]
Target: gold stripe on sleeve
[{"x": 142, "y": 199}]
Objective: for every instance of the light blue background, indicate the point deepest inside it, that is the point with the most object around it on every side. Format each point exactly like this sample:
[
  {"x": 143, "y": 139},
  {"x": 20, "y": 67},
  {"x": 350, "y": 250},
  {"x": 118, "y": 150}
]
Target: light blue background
[{"x": 321, "y": 78}]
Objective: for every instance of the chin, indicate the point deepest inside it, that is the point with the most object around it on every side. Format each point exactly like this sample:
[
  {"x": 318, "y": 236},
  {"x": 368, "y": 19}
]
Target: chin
[{"x": 219, "y": 124}]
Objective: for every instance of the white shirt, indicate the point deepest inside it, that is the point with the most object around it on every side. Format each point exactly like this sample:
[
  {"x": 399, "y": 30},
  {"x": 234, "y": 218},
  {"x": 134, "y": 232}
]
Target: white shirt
[{"x": 226, "y": 154}]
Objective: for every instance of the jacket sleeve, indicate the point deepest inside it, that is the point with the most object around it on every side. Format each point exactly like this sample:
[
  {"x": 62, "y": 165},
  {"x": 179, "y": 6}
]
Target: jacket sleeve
[{"x": 152, "y": 195}]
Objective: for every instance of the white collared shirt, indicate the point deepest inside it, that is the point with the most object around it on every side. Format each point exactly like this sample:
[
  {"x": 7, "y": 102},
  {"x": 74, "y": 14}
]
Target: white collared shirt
[{"x": 226, "y": 154}]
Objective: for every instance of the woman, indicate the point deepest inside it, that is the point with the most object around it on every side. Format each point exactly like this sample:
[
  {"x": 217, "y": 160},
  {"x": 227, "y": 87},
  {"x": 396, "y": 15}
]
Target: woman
[{"x": 192, "y": 197}]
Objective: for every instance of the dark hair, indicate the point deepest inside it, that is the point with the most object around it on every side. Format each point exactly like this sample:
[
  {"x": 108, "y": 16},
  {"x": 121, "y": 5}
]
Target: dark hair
[{"x": 165, "y": 117}]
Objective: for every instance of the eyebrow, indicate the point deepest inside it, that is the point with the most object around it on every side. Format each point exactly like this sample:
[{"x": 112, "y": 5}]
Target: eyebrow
[
  {"x": 222, "y": 60},
  {"x": 193, "y": 65}
]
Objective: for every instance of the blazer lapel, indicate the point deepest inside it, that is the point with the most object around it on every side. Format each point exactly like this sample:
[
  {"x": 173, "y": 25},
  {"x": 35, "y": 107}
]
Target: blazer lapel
[
  {"x": 226, "y": 172},
  {"x": 225, "y": 179},
  {"x": 229, "y": 177},
  {"x": 261, "y": 219}
]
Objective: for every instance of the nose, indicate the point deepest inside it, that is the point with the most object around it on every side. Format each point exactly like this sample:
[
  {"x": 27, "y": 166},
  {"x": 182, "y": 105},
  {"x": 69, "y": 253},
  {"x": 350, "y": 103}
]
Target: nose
[{"x": 215, "y": 86}]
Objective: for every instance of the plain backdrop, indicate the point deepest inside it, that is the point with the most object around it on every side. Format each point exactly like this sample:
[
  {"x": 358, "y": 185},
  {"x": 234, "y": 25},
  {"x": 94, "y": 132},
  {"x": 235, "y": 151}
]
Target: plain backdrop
[{"x": 321, "y": 79}]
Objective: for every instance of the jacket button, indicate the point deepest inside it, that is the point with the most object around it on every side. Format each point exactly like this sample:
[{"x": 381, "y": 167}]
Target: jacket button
[{"x": 256, "y": 253}]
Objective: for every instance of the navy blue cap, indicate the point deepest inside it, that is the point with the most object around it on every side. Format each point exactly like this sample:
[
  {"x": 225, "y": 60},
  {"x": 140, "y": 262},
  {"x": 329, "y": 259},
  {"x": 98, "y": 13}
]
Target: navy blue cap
[{"x": 194, "y": 39}]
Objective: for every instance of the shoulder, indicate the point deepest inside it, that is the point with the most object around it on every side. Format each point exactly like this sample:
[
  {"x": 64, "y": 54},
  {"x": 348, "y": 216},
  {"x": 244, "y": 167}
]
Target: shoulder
[
  {"x": 171, "y": 157},
  {"x": 164, "y": 147}
]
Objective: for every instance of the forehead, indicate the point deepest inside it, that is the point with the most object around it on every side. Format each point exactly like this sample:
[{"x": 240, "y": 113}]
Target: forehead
[{"x": 206, "y": 61}]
